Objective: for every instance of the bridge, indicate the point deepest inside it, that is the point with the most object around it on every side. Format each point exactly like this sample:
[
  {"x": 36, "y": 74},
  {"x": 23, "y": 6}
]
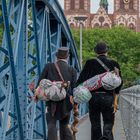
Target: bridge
[{"x": 32, "y": 31}]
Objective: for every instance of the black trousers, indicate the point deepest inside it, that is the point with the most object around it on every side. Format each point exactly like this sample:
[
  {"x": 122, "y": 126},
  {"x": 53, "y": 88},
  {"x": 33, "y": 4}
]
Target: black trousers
[
  {"x": 65, "y": 132},
  {"x": 101, "y": 104}
]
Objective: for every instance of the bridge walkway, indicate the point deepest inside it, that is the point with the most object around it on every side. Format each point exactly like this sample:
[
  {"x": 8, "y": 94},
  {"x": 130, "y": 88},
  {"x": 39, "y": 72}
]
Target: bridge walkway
[{"x": 84, "y": 129}]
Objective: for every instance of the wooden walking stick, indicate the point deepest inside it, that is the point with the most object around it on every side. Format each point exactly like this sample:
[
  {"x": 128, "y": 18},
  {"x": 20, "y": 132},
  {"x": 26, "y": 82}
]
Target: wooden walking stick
[{"x": 76, "y": 120}]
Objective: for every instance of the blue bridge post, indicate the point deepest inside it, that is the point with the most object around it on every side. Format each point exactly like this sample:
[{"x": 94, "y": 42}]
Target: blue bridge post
[{"x": 33, "y": 30}]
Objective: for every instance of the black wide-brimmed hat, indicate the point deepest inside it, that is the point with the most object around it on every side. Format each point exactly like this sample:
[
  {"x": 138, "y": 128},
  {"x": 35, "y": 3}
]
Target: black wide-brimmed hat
[
  {"x": 101, "y": 47},
  {"x": 62, "y": 53}
]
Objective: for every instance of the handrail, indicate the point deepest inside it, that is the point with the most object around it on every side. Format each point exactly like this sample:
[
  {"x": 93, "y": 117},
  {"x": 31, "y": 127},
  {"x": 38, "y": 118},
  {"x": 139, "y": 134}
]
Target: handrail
[{"x": 130, "y": 112}]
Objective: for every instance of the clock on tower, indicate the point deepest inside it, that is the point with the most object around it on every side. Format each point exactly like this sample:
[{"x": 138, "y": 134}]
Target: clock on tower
[{"x": 126, "y": 1}]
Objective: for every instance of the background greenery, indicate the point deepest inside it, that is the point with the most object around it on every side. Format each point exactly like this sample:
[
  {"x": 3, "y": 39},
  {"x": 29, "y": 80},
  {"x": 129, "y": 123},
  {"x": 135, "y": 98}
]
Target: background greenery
[{"x": 124, "y": 47}]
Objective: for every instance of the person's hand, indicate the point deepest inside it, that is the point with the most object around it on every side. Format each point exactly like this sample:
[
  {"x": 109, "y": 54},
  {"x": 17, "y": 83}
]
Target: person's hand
[
  {"x": 71, "y": 99},
  {"x": 116, "y": 70},
  {"x": 33, "y": 98},
  {"x": 32, "y": 86},
  {"x": 115, "y": 107}
]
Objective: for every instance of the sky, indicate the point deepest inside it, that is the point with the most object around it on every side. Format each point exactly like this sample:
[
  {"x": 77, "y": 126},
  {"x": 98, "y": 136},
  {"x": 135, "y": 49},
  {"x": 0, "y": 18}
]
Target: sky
[{"x": 95, "y": 5}]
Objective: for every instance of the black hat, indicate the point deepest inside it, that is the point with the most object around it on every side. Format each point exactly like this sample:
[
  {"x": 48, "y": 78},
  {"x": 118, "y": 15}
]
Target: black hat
[
  {"x": 100, "y": 48},
  {"x": 62, "y": 53}
]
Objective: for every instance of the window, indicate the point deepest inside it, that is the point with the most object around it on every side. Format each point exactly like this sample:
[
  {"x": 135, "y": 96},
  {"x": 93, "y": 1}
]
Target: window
[
  {"x": 96, "y": 25},
  {"x": 72, "y": 25},
  {"x": 131, "y": 26},
  {"x": 72, "y": 5},
  {"x": 106, "y": 25},
  {"x": 81, "y": 2}
]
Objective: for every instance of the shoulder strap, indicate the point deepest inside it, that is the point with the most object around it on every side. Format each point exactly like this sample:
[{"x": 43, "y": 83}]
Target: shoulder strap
[
  {"x": 102, "y": 64},
  {"x": 58, "y": 70}
]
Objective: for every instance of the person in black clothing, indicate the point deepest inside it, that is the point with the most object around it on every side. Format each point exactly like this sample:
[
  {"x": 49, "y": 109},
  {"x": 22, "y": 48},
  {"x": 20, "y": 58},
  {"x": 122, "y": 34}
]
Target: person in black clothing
[
  {"x": 60, "y": 110},
  {"x": 103, "y": 102}
]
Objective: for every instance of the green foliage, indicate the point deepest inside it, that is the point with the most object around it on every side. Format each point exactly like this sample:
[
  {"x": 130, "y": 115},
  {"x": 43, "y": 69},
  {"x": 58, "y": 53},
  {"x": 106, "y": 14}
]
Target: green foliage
[{"x": 124, "y": 47}]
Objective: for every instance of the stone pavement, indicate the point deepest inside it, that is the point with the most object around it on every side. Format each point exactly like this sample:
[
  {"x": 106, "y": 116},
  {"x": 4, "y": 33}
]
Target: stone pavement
[{"x": 84, "y": 129}]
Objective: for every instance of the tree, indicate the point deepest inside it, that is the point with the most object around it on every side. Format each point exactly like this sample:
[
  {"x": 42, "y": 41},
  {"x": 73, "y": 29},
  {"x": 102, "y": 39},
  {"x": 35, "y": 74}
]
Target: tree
[{"x": 124, "y": 47}]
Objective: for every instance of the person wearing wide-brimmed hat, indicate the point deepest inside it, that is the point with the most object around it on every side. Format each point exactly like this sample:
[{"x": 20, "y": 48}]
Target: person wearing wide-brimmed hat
[
  {"x": 103, "y": 102},
  {"x": 60, "y": 110}
]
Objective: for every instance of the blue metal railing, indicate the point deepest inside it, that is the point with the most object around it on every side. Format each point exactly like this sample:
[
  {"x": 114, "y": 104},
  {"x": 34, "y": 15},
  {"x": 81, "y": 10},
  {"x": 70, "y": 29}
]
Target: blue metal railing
[{"x": 33, "y": 30}]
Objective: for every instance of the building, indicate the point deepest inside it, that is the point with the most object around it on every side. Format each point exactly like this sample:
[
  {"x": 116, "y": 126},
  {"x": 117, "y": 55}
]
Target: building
[{"x": 126, "y": 13}]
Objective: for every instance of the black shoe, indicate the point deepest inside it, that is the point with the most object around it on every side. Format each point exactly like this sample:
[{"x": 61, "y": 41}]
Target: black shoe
[{"x": 103, "y": 138}]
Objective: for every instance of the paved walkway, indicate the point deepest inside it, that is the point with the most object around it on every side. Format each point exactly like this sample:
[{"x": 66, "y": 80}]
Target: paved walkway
[{"x": 84, "y": 129}]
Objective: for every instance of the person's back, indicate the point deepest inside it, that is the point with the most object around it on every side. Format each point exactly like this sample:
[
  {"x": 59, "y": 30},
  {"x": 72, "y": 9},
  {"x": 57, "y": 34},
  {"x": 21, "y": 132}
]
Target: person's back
[
  {"x": 69, "y": 74},
  {"x": 60, "y": 110},
  {"x": 102, "y": 100},
  {"x": 93, "y": 67}
]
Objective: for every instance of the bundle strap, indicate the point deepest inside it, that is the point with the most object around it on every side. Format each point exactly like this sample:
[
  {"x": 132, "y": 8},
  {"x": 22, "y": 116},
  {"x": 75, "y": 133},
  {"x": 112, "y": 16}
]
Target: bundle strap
[
  {"x": 103, "y": 65},
  {"x": 58, "y": 70},
  {"x": 116, "y": 70},
  {"x": 64, "y": 84}
]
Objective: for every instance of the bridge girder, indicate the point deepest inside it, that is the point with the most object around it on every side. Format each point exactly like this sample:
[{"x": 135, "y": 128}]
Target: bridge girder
[{"x": 32, "y": 32}]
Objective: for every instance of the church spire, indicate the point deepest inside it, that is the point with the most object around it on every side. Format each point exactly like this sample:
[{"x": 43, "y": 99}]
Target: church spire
[{"x": 104, "y": 4}]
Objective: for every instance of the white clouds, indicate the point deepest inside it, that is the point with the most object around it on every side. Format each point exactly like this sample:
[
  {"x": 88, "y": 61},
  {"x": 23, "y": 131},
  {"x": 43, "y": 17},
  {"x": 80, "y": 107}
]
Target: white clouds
[{"x": 95, "y": 5}]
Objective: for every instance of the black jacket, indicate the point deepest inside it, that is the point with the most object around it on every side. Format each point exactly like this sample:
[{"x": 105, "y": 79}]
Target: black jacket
[
  {"x": 69, "y": 74},
  {"x": 92, "y": 68}
]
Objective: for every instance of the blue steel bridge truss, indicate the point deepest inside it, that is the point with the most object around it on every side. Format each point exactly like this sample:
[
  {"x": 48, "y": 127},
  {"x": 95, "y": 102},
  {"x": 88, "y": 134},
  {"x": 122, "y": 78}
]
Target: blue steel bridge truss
[{"x": 31, "y": 32}]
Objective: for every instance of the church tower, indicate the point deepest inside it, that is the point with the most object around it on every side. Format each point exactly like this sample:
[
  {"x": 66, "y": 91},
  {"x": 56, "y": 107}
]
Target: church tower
[
  {"x": 104, "y": 4},
  {"x": 77, "y": 8},
  {"x": 131, "y": 6},
  {"x": 126, "y": 13}
]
